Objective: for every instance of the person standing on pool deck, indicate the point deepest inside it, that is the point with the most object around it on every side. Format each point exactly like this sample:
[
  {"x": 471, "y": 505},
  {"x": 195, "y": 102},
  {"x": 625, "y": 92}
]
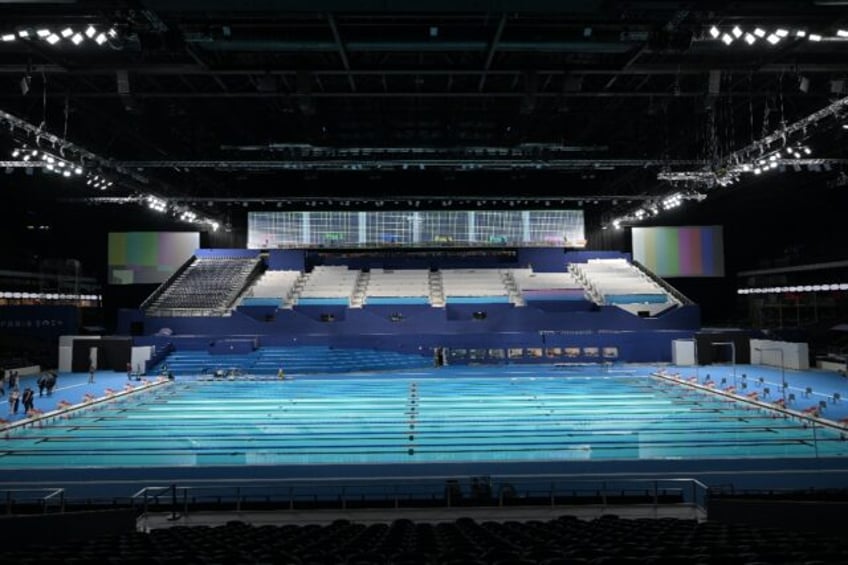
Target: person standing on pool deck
[
  {"x": 91, "y": 370},
  {"x": 28, "y": 400}
]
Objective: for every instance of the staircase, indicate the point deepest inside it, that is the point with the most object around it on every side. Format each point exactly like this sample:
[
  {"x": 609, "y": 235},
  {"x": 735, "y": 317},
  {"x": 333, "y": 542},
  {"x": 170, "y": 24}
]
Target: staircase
[
  {"x": 360, "y": 290},
  {"x": 297, "y": 288},
  {"x": 437, "y": 291},
  {"x": 515, "y": 296}
]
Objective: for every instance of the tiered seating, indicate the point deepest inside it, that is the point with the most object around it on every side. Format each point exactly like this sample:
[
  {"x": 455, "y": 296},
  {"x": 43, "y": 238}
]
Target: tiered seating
[
  {"x": 328, "y": 286},
  {"x": 616, "y": 281},
  {"x": 469, "y": 286},
  {"x": 271, "y": 289},
  {"x": 547, "y": 286},
  {"x": 565, "y": 540},
  {"x": 208, "y": 284},
  {"x": 306, "y": 359},
  {"x": 410, "y": 286}
]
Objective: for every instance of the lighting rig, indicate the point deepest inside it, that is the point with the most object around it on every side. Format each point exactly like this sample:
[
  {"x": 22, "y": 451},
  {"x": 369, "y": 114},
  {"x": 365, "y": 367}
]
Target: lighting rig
[{"x": 61, "y": 157}]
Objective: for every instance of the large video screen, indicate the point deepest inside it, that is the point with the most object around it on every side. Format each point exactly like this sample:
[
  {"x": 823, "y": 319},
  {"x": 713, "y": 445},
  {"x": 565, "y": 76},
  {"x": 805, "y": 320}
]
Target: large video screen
[
  {"x": 690, "y": 251},
  {"x": 474, "y": 228},
  {"x": 148, "y": 257}
]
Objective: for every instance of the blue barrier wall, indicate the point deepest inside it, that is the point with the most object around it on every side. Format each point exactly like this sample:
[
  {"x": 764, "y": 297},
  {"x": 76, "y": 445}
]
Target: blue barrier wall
[
  {"x": 213, "y": 253},
  {"x": 287, "y": 260}
]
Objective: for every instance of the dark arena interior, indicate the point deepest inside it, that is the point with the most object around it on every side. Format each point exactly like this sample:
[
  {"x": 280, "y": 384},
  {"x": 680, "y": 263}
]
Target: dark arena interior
[{"x": 488, "y": 282}]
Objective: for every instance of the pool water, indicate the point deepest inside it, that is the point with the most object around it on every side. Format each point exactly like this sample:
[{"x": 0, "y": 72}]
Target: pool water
[{"x": 440, "y": 415}]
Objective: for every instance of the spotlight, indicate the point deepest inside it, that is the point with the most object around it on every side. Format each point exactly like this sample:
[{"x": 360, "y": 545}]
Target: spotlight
[
  {"x": 42, "y": 33},
  {"x": 757, "y": 171},
  {"x": 842, "y": 33},
  {"x": 773, "y": 39},
  {"x": 760, "y": 32},
  {"x": 112, "y": 33},
  {"x": 714, "y": 32},
  {"x": 78, "y": 171},
  {"x": 16, "y": 153},
  {"x": 737, "y": 32},
  {"x": 53, "y": 39},
  {"x": 781, "y": 33},
  {"x": 90, "y": 31},
  {"x": 100, "y": 39},
  {"x": 23, "y": 34},
  {"x": 8, "y": 37},
  {"x": 800, "y": 33},
  {"x": 67, "y": 32},
  {"x": 815, "y": 37},
  {"x": 77, "y": 38},
  {"x": 727, "y": 39},
  {"x": 750, "y": 39}
]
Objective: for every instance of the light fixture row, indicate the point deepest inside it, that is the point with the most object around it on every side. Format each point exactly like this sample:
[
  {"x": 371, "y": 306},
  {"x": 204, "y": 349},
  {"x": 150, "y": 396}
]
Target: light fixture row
[
  {"x": 48, "y": 296},
  {"x": 766, "y": 162},
  {"x": 53, "y": 36},
  {"x": 48, "y": 161},
  {"x": 772, "y": 37},
  {"x": 668, "y": 202},
  {"x": 162, "y": 206},
  {"x": 825, "y": 287}
]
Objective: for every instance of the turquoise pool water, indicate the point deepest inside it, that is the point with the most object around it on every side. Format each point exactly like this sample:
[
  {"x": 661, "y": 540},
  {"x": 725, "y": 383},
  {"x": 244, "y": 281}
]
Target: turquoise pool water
[{"x": 439, "y": 415}]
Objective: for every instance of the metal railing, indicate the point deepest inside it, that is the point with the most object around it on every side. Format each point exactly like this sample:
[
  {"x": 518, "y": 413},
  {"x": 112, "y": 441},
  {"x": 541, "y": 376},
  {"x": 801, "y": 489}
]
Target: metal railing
[
  {"x": 45, "y": 499},
  {"x": 421, "y": 492}
]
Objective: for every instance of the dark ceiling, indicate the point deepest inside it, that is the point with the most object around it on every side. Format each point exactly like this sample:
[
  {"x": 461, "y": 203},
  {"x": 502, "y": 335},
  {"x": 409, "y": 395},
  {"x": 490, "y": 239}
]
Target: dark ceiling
[{"x": 214, "y": 103}]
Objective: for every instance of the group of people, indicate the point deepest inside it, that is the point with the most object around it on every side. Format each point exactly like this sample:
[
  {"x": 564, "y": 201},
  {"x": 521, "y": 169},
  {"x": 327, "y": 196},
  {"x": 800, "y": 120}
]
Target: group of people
[{"x": 11, "y": 380}]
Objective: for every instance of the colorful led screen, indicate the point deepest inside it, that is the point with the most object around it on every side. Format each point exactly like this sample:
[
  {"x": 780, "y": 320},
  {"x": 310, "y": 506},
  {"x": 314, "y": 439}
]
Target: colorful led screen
[
  {"x": 148, "y": 257},
  {"x": 688, "y": 251}
]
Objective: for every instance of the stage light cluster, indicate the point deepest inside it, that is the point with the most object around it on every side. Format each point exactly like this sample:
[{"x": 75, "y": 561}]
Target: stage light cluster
[
  {"x": 76, "y": 35},
  {"x": 773, "y": 37}
]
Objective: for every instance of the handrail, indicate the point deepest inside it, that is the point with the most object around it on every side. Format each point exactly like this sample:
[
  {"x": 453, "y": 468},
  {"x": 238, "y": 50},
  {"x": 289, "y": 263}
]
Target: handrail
[
  {"x": 56, "y": 495},
  {"x": 507, "y": 490},
  {"x": 161, "y": 288},
  {"x": 663, "y": 284}
]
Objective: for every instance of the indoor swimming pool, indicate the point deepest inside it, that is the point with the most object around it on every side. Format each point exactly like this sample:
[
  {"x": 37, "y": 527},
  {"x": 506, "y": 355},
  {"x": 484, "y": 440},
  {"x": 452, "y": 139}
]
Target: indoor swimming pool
[{"x": 444, "y": 415}]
